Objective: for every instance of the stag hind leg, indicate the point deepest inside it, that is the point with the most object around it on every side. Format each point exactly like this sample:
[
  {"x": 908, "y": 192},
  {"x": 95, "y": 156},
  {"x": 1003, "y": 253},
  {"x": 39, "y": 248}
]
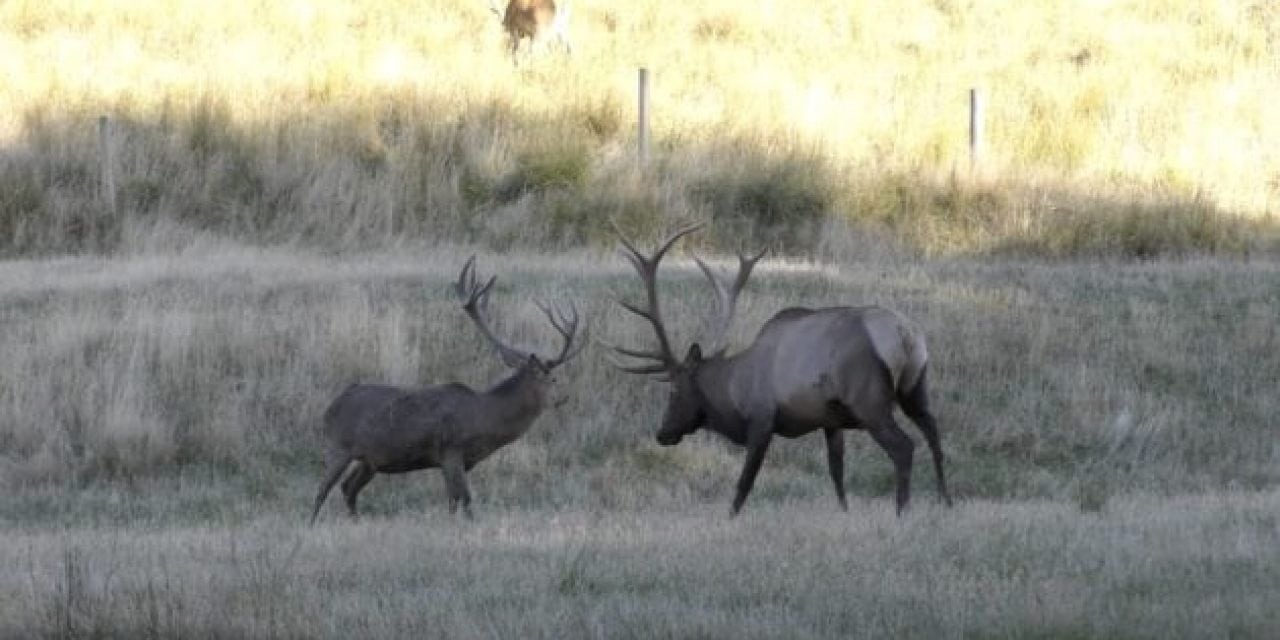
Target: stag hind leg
[
  {"x": 354, "y": 483},
  {"x": 335, "y": 465},
  {"x": 916, "y": 405}
]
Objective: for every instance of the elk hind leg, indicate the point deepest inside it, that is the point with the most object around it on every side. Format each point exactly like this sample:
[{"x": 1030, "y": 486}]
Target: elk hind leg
[
  {"x": 900, "y": 448},
  {"x": 835, "y": 462},
  {"x": 916, "y": 405}
]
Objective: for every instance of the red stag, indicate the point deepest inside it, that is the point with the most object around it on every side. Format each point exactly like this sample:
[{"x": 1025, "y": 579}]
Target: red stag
[{"x": 374, "y": 429}]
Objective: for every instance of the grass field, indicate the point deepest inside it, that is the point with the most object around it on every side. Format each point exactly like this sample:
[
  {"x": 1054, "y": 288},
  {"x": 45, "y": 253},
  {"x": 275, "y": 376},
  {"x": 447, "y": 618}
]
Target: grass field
[
  {"x": 1110, "y": 430},
  {"x": 285, "y": 191}
]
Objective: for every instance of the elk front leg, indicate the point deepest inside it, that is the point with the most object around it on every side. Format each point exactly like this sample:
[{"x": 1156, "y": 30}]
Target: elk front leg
[
  {"x": 757, "y": 445},
  {"x": 900, "y": 449},
  {"x": 835, "y": 462},
  {"x": 455, "y": 484}
]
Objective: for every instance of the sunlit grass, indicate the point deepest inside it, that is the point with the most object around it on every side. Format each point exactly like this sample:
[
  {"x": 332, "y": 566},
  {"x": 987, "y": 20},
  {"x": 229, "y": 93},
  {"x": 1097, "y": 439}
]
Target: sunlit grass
[{"x": 345, "y": 124}]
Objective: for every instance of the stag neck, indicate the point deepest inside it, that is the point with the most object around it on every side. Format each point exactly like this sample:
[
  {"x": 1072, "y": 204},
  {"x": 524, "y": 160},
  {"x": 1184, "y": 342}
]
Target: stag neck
[{"x": 522, "y": 392}]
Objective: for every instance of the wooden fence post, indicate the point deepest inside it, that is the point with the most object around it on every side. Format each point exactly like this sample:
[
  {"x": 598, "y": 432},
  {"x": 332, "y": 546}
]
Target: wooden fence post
[
  {"x": 642, "y": 109},
  {"x": 106, "y": 158},
  {"x": 975, "y": 127}
]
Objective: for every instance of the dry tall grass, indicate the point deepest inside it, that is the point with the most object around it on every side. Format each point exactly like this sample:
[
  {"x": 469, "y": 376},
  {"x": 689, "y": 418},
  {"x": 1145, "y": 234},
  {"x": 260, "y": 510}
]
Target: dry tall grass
[
  {"x": 1130, "y": 128},
  {"x": 159, "y": 447},
  {"x": 1051, "y": 381}
]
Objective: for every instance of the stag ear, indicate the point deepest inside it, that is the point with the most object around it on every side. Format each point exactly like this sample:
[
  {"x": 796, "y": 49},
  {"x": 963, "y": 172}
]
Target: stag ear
[
  {"x": 536, "y": 364},
  {"x": 694, "y": 357}
]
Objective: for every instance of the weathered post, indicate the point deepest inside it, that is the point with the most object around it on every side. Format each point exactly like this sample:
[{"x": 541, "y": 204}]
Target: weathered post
[
  {"x": 106, "y": 158},
  {"x": 975, "y": 127},
  {"x": 642, "y": 108}
]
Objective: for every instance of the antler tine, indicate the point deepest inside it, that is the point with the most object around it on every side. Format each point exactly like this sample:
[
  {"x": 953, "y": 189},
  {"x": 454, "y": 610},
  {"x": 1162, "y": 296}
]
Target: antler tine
[
  {"x": 727, "y": 295},
  {"x": 648, "y": 369},
  {"x": 475, "y": 302},
  {"x": 467, "y": 290},
  {"x": 647, "y": 268},
  {"x": 566, "y": 324}
]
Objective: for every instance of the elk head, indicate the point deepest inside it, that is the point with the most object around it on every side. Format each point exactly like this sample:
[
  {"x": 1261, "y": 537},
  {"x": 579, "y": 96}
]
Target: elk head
[{"x": 687, "y": 405}]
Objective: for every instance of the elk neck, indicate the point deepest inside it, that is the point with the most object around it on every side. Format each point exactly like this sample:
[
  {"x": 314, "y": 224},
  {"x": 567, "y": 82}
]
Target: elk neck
[{"x": 713, "y": 379}]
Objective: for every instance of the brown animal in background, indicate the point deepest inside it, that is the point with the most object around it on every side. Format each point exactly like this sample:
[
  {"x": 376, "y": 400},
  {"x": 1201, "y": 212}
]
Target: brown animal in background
[
  {"x": 374, "y": 429},
  {"x": 808, "y": 369},
  {"x": 536, "y": 20}
]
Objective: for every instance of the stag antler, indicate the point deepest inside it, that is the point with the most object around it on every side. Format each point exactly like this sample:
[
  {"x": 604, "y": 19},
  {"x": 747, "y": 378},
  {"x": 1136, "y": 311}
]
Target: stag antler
[
  {"x": 727, "y": 296},
  {"x": 566, "y": 324},
  {"x": 647, "y": 267},
  {"x": 475, "y": 301}
]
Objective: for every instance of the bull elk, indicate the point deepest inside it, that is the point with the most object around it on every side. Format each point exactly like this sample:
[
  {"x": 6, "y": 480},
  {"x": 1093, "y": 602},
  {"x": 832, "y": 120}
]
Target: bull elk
[
  {"x": 372, "y": 429},
  {"x": 535, "y": 20},
  {"x": 823, "y": 369}
]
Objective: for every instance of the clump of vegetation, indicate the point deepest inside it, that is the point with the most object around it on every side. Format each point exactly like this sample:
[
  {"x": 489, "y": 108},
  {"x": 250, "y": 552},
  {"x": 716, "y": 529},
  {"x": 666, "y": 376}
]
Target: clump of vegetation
[
  {"x": 774, "y": 201},
  {"x": 556, "y": 168}
]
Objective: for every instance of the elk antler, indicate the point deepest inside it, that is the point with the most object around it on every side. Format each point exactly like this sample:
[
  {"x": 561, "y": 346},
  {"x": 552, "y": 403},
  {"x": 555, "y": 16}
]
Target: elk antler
[
  {"x": 727, "y": 296},
  {"x": 647, "y": 266},
  {"x": 475, "y": 301},
  {"x": 567, "y": 326}
]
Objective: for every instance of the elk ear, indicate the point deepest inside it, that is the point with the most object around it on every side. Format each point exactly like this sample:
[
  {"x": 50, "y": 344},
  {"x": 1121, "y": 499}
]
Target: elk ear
[{"x": 694, "y": 356}]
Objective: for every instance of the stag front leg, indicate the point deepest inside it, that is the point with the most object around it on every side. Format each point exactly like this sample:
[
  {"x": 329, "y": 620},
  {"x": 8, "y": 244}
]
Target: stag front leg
[
  {"x": 757, "y": 445},
  {"x": 900, "y": 449},
  {"x": 455, "y": 484},
  {"x": 835, "y": 462}
]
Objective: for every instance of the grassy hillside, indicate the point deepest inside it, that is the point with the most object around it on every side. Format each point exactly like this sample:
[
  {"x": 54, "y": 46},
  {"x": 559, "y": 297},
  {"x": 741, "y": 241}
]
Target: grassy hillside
[{"x": 1119, "y": 128}]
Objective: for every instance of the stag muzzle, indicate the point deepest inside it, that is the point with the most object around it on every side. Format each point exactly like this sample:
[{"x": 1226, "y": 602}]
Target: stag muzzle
[{"x": 667, "y": 439}]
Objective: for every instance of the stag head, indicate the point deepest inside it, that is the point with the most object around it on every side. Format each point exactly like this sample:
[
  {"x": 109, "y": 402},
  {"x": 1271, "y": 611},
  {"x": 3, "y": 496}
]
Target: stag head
[{"x": 475, "y": 302}]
